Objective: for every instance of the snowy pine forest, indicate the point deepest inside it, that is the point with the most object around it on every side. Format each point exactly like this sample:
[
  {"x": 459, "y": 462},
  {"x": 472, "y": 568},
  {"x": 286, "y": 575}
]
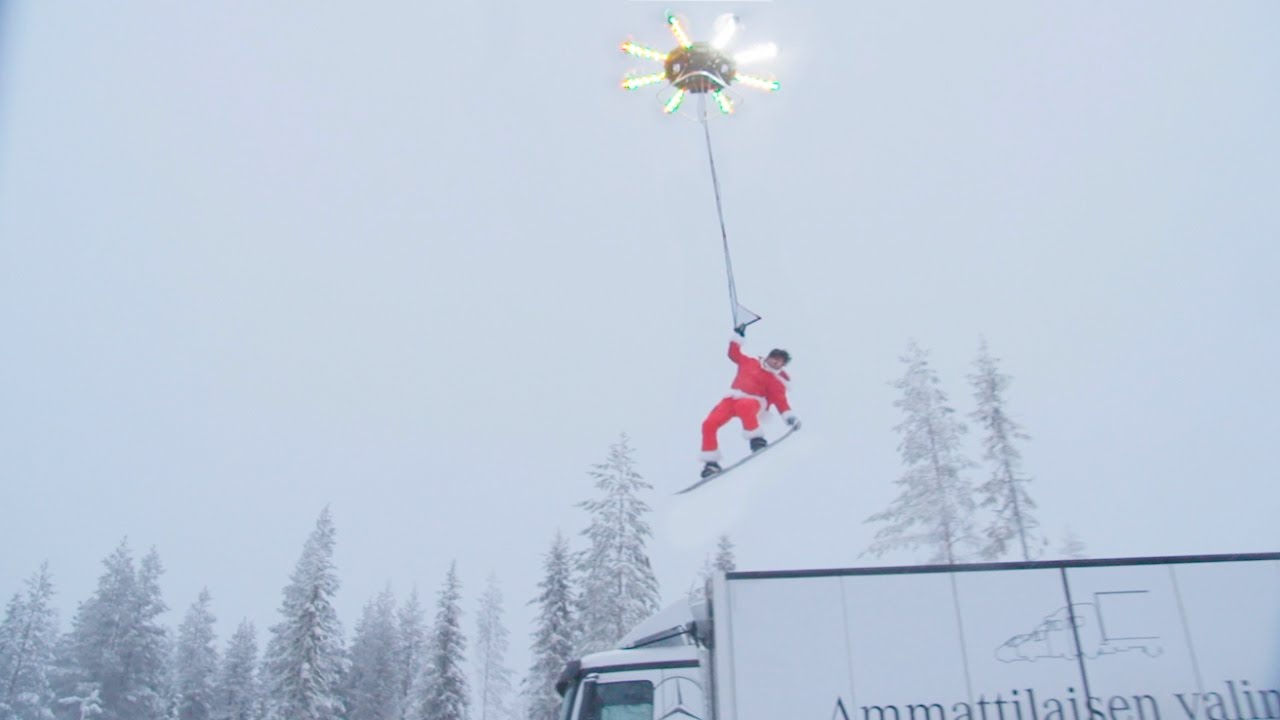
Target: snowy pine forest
[
  {"x": 429, "y": 658},
  {"x": 410, "y": 658}
]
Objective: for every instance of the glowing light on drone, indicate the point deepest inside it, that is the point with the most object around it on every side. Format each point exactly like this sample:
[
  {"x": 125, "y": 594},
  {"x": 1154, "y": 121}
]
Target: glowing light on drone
[
  {"x": 633, "y": 83},
  {"x": 757, "y": 83},
  {"x": 726, "y": 26},
  {"x": 726, "y": 105},
  {"x": 674, "y": 103},
  {"x": 676, "y": 29},
  {"x": 644, "y": 52},
  {"x": 767, "y": 51}
]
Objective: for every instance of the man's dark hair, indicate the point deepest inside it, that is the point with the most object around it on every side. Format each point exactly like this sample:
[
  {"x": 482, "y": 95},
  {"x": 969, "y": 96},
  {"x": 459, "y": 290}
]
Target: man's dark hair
[{"x": 779, "y": 353}]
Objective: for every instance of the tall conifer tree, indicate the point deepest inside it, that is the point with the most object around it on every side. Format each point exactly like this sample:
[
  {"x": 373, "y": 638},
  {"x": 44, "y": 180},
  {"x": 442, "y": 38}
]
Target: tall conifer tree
[
  {"x": 618, "y": 585},
  {"x": 935, "y": 507},
  {"x": 305, "y": 659}
]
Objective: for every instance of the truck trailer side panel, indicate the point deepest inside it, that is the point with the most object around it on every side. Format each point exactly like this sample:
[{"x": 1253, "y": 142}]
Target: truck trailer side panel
[{"x": 1164, "y": 639}]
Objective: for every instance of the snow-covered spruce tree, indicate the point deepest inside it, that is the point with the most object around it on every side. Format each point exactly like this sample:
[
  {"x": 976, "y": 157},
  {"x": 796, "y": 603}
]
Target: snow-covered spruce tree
[
  {"x": 519, "y": 710},
  {"x": 82, "y": 703},
  {"x": 698, "y": 588},
  {"x": 372, "y": 686},
  {"x": 723, "y": 562},
  {"x": 411, "y": 646},
  {"x": 237, "y": 695},
  {"x": 618, "y": 586},
  {"x": 115, "y": 659},
  {"x": 196, "y": 666},
  {"x": 724, "y": 555},
  {"x": 935, "y": 507},
  {"x": 441, "y": 689},
  {"x": 28, "y": 636},
  {"x": 305, "y": 659},
  {"x": 1072, "y": 547},
  {"x": 1005, "y": 493},
  {"x": 86, "y": 651},
  {"x": 553, "y": 637},
  {"x": 493, "y": 677},
  {"x": 154, "y": 655}
]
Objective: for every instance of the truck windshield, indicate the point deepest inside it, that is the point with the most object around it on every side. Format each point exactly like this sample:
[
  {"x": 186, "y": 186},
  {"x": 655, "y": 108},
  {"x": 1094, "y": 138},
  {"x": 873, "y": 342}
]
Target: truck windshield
[{"x": 631, "y": 700}]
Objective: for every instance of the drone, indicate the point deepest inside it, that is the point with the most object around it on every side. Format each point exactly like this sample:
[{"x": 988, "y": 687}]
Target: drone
[{"x": 701, "y": 67}]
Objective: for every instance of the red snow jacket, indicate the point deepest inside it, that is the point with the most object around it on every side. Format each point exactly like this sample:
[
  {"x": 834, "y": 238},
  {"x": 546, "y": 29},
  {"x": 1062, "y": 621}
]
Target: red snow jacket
[{"x": 757, "y": 380}]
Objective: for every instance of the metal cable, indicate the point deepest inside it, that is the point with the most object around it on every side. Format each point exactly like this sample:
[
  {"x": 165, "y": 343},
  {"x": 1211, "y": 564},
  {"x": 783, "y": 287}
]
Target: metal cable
[{"x": 724, "y": 235}]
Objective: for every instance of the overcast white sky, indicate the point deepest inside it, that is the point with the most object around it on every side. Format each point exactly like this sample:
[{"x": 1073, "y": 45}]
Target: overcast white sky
[{"x": 423, "y": 262}]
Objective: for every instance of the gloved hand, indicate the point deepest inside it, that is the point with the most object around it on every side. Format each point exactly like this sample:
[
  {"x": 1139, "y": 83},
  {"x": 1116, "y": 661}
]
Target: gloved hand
[
  {"x": 741, "y": 330},
  {"x": 793, "y": 421}
]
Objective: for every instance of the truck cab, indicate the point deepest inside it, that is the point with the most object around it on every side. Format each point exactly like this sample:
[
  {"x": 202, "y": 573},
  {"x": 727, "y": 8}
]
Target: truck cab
[{"x": 658, "y": 672}]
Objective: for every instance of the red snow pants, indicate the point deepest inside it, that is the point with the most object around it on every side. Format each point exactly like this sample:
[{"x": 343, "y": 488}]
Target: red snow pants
[{"x": 745, "y": 409}]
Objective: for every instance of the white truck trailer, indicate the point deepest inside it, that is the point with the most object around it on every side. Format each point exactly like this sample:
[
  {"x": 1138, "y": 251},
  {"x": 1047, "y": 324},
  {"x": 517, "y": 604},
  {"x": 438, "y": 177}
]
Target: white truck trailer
[{"x": 1166, "y": 638}]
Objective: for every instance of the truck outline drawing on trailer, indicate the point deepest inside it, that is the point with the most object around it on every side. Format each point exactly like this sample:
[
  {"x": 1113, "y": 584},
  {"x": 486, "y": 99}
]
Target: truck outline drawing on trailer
[{"x": 1054, "y": 637}]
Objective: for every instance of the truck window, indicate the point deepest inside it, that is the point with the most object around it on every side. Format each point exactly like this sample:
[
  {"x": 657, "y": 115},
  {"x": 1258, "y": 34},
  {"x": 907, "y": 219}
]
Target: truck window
[{"x": 618, "y": 701}]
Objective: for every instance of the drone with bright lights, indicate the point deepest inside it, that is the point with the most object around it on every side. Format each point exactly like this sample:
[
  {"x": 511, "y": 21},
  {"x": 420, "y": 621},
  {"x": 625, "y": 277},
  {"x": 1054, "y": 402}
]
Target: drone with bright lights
[{"x": 701, "y": 67}]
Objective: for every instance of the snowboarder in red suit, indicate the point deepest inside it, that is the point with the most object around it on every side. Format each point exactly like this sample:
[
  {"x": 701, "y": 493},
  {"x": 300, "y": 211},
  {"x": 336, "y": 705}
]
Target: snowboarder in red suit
[{"x": 760, "y": 384}]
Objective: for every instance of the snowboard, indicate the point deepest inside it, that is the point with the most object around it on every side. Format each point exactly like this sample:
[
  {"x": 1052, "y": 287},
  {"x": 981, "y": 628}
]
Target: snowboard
[{"x": 740, "y": 463}]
